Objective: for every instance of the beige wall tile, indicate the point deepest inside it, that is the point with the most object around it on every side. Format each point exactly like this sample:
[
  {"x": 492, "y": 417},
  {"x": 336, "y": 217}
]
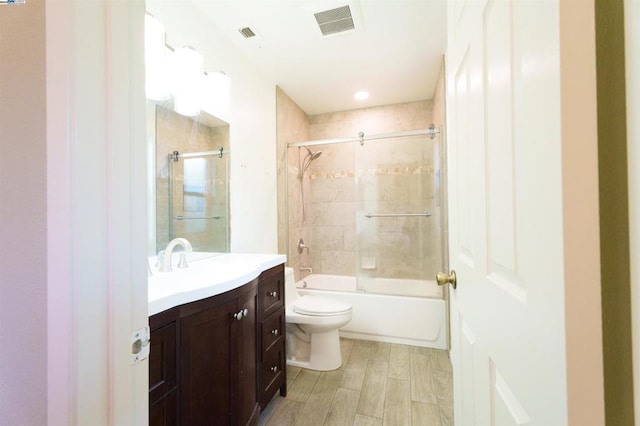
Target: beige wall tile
[{"x": 396, "y": 172}]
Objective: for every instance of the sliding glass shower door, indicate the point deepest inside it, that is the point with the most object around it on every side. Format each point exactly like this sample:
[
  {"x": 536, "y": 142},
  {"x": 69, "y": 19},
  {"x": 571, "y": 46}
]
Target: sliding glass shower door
[
  {"x": 398, "y": 214},
  {"x": 198, "y": 200}
]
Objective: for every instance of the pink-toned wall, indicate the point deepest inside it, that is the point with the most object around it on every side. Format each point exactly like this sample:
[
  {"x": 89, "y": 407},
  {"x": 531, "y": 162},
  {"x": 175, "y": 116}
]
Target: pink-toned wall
[{"x": 23, "y": 210}]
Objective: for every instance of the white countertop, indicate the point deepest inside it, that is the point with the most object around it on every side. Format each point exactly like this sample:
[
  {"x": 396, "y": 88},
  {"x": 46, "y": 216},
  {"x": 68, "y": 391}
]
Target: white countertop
[{"x": 208, "y": 275}]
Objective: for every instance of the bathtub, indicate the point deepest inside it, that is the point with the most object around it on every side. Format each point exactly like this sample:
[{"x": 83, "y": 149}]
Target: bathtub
[{"x": 418, "y": 317}]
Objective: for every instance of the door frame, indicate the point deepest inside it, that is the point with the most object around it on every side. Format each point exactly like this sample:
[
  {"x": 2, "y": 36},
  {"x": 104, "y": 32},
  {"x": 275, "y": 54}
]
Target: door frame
[
  {"x": 632, "y": 56},
  {"x": 581, "y": 229}
]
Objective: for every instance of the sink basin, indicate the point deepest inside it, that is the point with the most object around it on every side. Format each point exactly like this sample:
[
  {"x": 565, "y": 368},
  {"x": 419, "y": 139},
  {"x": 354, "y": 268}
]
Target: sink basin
[{"x": 206, "y": 276}]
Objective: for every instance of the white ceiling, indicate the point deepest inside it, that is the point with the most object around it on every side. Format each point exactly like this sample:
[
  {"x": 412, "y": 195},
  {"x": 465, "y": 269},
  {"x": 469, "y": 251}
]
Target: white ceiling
[{"x": 394, "y": 53}]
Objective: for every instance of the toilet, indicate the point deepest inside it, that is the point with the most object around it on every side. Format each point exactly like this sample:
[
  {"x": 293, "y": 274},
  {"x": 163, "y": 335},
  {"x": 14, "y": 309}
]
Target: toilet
[{"x": 312, "y": 328}]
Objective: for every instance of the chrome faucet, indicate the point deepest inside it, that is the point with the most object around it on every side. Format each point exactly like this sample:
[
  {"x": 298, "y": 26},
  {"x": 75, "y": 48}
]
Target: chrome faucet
[
  {"x": 306, "y": 268},
  {"x": 165, "y": 265}
]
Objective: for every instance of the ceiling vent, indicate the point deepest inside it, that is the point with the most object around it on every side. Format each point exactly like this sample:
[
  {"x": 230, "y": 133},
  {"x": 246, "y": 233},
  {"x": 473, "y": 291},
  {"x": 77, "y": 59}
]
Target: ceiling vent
[
  {"x": 335, "y": 20},
  {"x": 247, "y": 32}
]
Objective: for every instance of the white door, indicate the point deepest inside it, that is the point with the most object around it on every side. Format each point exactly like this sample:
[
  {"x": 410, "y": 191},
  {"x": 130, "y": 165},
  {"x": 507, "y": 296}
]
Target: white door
[
  {"x": 508, "y": 338},
  {"x": 96, "y": 210}
]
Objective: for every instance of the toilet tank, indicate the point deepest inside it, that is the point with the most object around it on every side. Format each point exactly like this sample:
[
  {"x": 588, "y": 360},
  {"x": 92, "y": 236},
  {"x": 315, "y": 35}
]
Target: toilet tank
[{"x": 290, "y": 292}]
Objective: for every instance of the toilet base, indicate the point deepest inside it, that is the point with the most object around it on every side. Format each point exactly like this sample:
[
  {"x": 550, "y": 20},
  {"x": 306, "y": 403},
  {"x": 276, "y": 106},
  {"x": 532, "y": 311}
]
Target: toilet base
[{"x": 325, "y": 354}]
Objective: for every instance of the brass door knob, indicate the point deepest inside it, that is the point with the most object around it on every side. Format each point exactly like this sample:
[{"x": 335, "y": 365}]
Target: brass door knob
[{"x": 443, "y": 278}]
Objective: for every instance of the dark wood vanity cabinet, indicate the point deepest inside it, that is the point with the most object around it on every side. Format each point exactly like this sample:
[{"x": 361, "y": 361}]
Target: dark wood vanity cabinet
[
  {"x": 203, "y": 361},
  {"x": 163, "y": 370},
  {"x": 272, "y": 332}
]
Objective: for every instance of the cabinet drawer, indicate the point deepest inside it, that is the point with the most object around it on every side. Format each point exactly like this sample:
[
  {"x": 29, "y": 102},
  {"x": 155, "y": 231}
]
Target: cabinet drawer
[
  {"x": 272, "y": 294},
  {"x": 272, "y": 329},
  {"x": 273, "y": 363}
]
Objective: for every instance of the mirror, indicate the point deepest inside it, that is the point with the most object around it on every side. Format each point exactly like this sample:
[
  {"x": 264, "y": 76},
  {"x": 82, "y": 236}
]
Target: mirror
[{"x": 188, "y": 178}]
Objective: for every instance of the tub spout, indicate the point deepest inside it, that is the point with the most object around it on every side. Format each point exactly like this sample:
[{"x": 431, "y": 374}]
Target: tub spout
[{"x": 306, "y": 268}]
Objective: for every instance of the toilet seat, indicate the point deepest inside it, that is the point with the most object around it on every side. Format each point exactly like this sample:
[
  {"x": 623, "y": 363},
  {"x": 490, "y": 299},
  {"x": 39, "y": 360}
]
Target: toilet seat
[{"x": 320, "y": 306}]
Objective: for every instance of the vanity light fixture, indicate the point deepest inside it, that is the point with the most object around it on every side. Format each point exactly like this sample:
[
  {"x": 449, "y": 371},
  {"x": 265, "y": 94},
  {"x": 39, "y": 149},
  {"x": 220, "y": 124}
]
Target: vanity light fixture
[
  {"x": 179, "y": 73},
  {"x": 361, "y": 95},
  {"x": 215, "y": 94},
  {"x": 155, "y": 60},
  {"x": 188, "y": 77}
]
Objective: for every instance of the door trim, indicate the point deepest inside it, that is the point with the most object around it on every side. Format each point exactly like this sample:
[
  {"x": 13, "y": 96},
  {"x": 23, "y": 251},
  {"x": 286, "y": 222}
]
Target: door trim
[
  {"x": 581, "y": 233},
  {"x": 632, "y": 55}
]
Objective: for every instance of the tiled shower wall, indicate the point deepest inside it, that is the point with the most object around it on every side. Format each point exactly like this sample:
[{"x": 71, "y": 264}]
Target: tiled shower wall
[
  {"x": 398, "y": 173},
  {"x": 382, "y": 177},
  {"x": 175, "y": 132},
  {"x": 292, "y": 126}
]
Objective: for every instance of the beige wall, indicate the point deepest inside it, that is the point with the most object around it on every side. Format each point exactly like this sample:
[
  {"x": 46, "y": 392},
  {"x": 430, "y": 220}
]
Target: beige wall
[
  {"x": 23, "y": 212},
  {"x": 292, "y": 126}
]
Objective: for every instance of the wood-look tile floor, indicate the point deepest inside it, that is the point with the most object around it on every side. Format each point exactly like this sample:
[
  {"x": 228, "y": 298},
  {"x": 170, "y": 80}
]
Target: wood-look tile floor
[{"x": 378, "y": 384}]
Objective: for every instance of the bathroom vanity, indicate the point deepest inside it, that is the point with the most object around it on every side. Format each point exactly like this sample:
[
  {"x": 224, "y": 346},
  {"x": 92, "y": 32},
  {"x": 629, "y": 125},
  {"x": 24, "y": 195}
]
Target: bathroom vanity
[{"x": 220, "y": 357}]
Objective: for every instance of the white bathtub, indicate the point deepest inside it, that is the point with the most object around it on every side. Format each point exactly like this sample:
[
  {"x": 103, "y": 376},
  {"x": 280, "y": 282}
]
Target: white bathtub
[{"x": 418, "y": 319}]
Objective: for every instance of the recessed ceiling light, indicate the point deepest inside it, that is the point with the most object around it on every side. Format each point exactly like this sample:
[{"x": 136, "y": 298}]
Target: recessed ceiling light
[{"x": 361, "y": 95}]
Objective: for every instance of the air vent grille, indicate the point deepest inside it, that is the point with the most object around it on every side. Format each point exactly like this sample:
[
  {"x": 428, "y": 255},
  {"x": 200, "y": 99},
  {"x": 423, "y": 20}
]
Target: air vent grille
[
  {"x": 335, "y": 20},
  {"x": 247, "y": 32}
]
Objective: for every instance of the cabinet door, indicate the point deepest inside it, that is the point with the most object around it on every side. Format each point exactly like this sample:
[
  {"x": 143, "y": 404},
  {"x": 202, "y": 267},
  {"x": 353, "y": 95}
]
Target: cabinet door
[
  {"x": 163, "y": 412},
  {"x": 246, "y": 387},
  {"x": 205, "y": 366},
  {"x": 163, "y": 404},
  {"x": 162, "y": 362}
]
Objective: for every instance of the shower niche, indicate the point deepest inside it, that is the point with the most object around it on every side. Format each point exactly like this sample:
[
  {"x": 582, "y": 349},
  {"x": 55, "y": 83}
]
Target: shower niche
[{"x": 190, "y": 180}]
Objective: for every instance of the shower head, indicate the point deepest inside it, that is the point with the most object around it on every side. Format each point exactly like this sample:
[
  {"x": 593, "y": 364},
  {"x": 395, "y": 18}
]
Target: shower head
[
  {"x": 306, "y": 162},
  {"x": 313, "y": 154}
]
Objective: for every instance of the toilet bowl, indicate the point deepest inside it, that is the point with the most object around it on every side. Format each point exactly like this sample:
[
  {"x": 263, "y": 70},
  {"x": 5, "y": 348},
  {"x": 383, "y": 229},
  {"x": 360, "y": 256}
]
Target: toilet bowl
[{"x": 313, "y": 341}]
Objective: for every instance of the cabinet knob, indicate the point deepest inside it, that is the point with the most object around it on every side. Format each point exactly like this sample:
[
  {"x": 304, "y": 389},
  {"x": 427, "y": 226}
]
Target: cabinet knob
[
  {"x": 275, "y": 332},
  {"x": 274, "y": 369},
  {"x": 273, "y": 294},
  {"x": 241, "y": 314}
]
